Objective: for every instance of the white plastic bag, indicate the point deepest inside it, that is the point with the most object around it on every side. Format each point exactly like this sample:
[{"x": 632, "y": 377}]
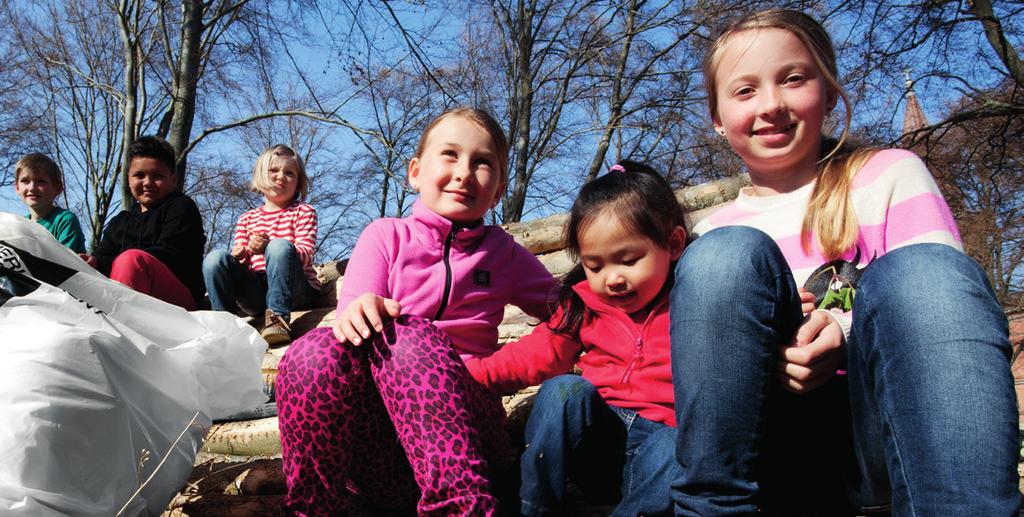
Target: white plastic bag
[{"x": 100, "y": 385}]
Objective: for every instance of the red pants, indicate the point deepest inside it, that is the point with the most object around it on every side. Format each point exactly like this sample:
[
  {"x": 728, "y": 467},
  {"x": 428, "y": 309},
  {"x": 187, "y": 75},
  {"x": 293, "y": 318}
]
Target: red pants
[{"x": 146, "y": 274}]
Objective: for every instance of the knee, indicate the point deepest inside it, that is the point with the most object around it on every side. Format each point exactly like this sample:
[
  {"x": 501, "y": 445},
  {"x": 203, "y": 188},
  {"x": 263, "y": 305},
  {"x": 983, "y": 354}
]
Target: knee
[
  {"x": 561, "y": 393},
  {"x": 309, "y": 357},
  {"x": 726, "y": 254},
  {"x": 216, "y": 260},
  {"x": 129, "y": 263},
  {"x": 935, "y": 274},
  {"x": 279, "y": 249},
  {"x": 130, "y": 258}
]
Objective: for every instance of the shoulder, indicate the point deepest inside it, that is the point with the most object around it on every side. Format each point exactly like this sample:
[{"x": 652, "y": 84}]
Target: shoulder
[
  {"x": 303, "y": 208},
  {"x": 180, "y": 202},
  {"x": 887, "y": 166}
]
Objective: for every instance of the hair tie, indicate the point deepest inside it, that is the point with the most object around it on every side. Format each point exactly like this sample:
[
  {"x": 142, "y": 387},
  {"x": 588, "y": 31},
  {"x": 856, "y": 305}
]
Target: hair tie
[{"x": 617, "y": 168}]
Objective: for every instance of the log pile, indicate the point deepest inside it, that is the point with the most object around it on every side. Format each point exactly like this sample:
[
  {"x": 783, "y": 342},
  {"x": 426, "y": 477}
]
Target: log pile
[{"x": 238, "y": 470}]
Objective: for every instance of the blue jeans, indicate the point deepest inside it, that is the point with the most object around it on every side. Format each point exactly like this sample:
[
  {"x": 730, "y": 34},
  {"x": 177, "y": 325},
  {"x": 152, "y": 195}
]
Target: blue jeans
[
  {"x": 281, "y": 288},
  {"x": 607, "y": 451},
  {"x": 925, "y": 420}
]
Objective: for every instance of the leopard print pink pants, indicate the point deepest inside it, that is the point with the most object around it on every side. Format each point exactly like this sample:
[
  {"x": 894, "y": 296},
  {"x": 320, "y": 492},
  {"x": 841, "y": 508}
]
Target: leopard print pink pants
[{"x": 389, "y": 421}]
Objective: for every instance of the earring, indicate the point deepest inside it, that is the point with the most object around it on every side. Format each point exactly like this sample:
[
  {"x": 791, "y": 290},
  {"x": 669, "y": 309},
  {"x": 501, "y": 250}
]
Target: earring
[{"x": 721, "y": 132}]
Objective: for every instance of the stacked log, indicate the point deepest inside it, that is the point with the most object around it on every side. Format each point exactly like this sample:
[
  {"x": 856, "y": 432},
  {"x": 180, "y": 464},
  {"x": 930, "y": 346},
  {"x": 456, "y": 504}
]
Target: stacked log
[{"x": 250, "y": 450}]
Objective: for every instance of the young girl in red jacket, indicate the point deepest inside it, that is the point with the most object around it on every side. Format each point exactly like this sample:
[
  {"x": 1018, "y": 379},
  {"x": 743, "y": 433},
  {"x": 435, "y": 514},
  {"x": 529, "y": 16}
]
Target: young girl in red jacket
[{"x": 612, "y": 429}]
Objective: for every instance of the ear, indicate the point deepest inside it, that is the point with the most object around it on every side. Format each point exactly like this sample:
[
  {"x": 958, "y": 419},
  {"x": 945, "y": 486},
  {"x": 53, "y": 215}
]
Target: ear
[
  {"x": 719, "y": 128},
  {"x": 412, "y": 174},
  {"x": 676, "y": 242},
  {"x": 833, "y": 99},
  {"x": 498, "y": 193}
]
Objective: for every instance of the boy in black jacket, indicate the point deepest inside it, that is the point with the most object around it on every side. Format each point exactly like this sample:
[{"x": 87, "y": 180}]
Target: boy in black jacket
[{"x": 155, "y": 246}]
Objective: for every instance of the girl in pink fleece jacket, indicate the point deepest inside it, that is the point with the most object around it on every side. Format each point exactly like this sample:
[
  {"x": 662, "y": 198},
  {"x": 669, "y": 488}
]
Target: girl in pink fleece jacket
[{"x": 381, "y": 406}]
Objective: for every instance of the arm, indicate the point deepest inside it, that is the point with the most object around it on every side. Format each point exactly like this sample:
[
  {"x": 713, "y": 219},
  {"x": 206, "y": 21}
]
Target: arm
[
  {"x": 364, "y": 300},
  {"x": 916, "y": 211},
  {"x": 536, "y": 290},
  {"x": 535, "y": 357},
  {"x": 240, "y": 244},
  {"x": 69, "y": 232},
  {"x": 305, "y": 234},
  {"x": 180, "y": 235},
  {"x": 110, "y": 245}
]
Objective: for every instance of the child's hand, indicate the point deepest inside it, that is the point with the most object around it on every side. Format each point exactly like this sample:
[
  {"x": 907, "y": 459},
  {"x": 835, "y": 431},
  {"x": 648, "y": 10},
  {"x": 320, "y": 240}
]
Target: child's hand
[
  {"x": 806, "y": 301},
  {"x": 814, "y": 356},
  {"x": 363, "y": 317},
  {"x": 89, "y": 259},
  {"x": 239, "y": 251},
  {"x": 258, "y": 243}
]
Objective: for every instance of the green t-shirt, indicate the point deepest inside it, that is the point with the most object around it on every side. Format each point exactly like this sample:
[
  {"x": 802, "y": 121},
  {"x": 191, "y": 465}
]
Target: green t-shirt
[{"x": 63, "y": 225}]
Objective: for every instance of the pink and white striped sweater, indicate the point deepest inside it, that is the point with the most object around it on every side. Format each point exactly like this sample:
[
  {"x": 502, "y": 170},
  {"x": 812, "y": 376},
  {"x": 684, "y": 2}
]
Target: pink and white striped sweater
[
  {"x": 296, "y": 223},
  {"x": 894, "y": 196}
]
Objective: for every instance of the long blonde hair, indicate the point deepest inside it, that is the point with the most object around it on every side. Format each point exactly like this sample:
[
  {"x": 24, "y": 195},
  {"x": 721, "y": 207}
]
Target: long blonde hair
[{"x": 830, "y": 215}]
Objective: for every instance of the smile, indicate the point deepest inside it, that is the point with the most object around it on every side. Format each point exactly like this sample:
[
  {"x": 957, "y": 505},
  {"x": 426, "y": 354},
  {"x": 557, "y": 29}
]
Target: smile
[{"x": 774, "y": 130}]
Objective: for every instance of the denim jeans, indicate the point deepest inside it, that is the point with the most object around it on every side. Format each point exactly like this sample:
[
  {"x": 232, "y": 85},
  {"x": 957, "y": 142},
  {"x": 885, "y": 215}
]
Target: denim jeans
[
  {"x": 607, "y": 451},
  {"x": 281, "y": 288},
  {"x": 925, "y": 420}
]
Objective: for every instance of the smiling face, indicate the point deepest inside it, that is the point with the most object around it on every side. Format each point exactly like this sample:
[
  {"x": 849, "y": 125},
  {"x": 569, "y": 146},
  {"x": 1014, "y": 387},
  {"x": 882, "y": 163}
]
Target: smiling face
[
  {"x": 37, "y": 191},
  {"x": 283, "y": 173},
  {"x": 772, "y": 101},
  {"x": 150, "y": 181},
  {"x": 457, "y": 174},
  {"x": 625, "y": 269}
]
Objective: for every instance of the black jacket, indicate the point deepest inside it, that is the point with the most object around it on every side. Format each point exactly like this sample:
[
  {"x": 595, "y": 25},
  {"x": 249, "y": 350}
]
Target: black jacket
[{"x": 172, "y": 232}]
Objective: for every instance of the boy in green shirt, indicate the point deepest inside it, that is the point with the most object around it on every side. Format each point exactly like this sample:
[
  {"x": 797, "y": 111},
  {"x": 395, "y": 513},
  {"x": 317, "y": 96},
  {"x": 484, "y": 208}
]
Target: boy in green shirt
[{"x": 38, "y": 182}]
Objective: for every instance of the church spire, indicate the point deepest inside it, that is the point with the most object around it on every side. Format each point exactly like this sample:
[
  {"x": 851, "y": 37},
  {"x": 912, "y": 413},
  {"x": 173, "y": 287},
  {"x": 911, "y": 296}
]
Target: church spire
[{"x": 913, "y": 115}]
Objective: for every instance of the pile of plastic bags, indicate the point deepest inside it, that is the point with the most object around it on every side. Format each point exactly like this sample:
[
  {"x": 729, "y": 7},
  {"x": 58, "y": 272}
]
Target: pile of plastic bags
[{"x": 105, "y": 393}]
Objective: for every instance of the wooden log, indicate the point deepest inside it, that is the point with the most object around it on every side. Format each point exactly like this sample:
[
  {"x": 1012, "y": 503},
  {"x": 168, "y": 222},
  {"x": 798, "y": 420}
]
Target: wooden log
[{"x": 258, "y": 438}]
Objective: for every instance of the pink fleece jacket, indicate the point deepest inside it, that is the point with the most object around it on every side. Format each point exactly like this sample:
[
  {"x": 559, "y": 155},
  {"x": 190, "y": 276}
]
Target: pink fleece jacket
[
  {"x": 461, "y": 280},
  {"x": 627, "y": 361}
]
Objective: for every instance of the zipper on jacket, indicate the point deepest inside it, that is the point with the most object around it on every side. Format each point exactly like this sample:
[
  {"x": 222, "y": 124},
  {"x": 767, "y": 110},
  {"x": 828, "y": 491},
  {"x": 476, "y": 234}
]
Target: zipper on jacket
[
  {"x": 638, "y": 358},
  {"x": 447, "y": 274}
]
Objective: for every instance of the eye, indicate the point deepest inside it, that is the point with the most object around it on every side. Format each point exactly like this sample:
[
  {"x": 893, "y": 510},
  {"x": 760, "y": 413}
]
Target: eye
[
  {"x": 593, "y": 268},
  {"x": 484, "y": 162},
  {"x": 794, "y": 79},
  {"x": 744, "y": 91},
  {"x": 450, "y": 153},
  {"x": 630, "y": 261}
]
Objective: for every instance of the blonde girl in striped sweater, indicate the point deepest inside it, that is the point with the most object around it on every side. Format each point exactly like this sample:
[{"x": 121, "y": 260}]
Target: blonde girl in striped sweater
[
  {"x": 270, "y": 265},
  {"x": 898, "y": 399}
]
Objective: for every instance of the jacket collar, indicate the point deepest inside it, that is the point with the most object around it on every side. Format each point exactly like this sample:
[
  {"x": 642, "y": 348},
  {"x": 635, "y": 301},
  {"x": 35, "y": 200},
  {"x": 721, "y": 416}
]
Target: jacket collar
[
  {"x": 594, "y": 303},
  {"x": 432, "y": 229}
]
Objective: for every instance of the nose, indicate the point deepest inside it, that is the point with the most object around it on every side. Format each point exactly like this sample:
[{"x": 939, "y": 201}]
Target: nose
[
  {"x": 614, "y": 281},
  {"x": 772, "y": 102},
  {"x": 462, "y": 172}
]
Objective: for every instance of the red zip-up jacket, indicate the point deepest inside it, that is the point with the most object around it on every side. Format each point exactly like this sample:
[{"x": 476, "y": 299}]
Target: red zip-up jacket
[{"x": 627, "y": 361}]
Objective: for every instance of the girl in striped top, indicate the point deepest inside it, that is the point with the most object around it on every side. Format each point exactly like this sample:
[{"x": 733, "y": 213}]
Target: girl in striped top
[
  {"x": 905, "y": 401},
  {"x": 271, "y": 260}
]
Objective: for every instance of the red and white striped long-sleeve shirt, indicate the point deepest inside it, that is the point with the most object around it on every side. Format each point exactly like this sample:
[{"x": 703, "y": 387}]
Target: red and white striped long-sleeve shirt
[{"x": 296, "y": 224}]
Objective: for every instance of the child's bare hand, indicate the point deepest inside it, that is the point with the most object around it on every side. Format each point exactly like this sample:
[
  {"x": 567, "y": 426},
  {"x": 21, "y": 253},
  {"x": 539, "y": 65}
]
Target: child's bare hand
[
  {"x": 814, "y": 355},
  {"x": 258, "y": 243},
  {"x": 239, "y": 251},
  {"x": 89, "y": 259},
  {"x": 363, "y": 317},
  {"x": 806, "y": 301}
]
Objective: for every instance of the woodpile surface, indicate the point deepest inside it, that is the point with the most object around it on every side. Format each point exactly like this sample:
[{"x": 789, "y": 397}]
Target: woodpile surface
[{"x": 238, "y": 470}]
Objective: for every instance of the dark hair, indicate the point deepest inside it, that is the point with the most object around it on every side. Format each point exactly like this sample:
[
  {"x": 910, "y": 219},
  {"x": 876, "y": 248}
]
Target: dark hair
[
  {"x": 643, "y": 202},
  {"x": 153, "y": 147}
]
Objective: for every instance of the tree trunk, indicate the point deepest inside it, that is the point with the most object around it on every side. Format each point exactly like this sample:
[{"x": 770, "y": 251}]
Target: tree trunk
[{"x": 183, "y": 101}]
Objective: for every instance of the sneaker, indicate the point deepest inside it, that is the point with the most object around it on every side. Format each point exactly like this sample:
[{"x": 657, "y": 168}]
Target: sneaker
[{"x": 276, "y": 332}]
